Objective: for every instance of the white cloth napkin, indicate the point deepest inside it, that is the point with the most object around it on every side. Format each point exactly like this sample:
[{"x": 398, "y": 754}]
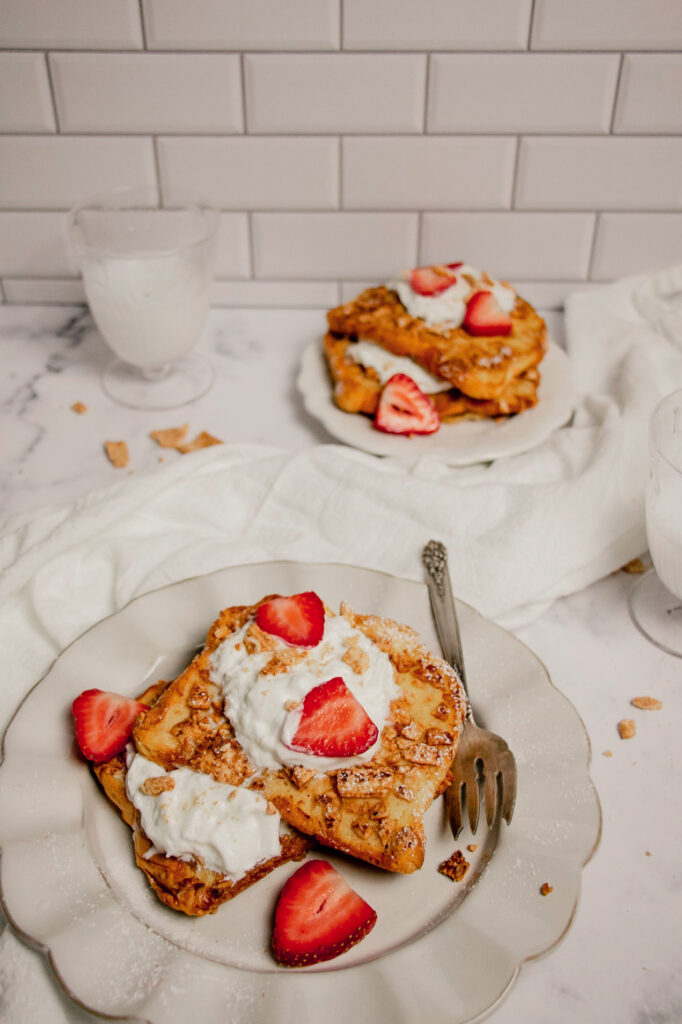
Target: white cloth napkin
[{"x": 520, "y": 532}]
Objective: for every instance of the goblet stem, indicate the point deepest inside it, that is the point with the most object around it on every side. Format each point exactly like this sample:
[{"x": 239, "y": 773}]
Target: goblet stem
[{"x": 153, "y": 373}]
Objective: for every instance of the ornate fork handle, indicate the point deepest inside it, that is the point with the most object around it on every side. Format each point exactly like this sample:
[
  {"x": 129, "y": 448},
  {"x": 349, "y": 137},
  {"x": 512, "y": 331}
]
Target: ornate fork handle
[{"x": 435, "y": 559}]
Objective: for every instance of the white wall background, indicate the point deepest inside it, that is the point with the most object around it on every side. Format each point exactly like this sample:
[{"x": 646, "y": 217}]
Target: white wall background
[{"x": 347, "y": 139}]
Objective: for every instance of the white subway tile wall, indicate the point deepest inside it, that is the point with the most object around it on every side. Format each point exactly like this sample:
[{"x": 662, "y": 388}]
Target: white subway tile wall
[{"x": 345, "y": 140}]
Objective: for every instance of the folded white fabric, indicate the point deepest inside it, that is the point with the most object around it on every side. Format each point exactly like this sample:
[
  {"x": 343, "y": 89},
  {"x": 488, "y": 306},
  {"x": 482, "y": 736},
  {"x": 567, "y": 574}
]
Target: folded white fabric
[{"x": 520, "y": 532}]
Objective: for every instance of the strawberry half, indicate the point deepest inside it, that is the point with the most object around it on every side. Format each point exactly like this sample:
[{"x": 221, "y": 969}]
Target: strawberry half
[
  {"x": 103, "y": 723},
  {"x": 484, "y": 317},
  {"x": 431, "y": 280},
  {"x": 454, "y": 266},
  {"x": 405, "y": 409},
  {"x": 333, "y": 723},
  {"x": 318, "y": 916},
  {"x": 298, "y": 619}
]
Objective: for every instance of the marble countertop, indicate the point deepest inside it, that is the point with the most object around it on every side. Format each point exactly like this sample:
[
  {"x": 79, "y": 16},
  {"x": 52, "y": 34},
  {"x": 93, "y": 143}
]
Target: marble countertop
[{"x": 620, "y": 959}]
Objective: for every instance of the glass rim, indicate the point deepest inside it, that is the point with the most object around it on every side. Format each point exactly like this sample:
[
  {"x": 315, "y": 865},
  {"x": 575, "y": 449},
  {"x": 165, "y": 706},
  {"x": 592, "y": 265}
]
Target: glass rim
[
  {"x": 105, "y": 201},
  {"x": 653, "y": 422}
]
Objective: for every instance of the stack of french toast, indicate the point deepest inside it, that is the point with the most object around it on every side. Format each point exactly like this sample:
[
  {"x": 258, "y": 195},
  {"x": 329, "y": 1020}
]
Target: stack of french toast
[
  {"x": 332, "y": 730},
  {"x": 468, "y": 343}
]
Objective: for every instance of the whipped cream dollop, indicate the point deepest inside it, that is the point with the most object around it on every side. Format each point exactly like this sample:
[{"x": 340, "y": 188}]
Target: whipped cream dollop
[
  {"x": 260, "y": 707},
  {"x": 448, "y": 308},
  {"x": 385, "y": 364},
  {"x": 228, "y": 828}
]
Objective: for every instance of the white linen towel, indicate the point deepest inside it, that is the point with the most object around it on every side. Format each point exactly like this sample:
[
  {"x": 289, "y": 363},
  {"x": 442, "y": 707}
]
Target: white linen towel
[{"x": 520, "y": 532}]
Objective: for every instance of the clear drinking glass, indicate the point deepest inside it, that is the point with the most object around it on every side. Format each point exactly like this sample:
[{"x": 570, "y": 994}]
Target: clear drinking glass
[
  {"x": 147, "y": 262},
  {"x": 656, "y": 601}
]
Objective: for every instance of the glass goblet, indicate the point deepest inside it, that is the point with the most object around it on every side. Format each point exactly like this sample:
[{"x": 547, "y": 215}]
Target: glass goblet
[
  {"x": 656, "y": 600},
  {"x": 147, "y": 262}
]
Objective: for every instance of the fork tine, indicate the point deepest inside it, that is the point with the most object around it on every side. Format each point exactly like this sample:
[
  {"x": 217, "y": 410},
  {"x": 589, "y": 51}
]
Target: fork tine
[
  {"x": 453, "y": 805},
  {"x": 509, "y": 790},
  {"x": 473, "y": 804},
  {"x": 490, "y": 797}
]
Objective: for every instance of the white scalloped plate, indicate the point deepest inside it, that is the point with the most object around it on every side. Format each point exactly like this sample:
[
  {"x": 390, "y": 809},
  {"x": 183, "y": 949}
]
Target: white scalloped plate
[
  {"x": 457, "y": 444},
  {"x": 441, "y": 951}
]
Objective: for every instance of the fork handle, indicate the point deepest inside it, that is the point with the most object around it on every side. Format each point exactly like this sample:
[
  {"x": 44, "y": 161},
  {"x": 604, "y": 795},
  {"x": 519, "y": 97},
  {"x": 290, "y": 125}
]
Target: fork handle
[{"x": 435, "y": 559}]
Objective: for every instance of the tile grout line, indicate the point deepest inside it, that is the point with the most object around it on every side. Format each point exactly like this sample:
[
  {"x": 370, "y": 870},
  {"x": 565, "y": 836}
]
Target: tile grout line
[
  {"x": 530, "y": 27},
  {"x": 593, "y": 245},
  {"x": 515, "y": 175},
  {"x": 53, "y": 95},
  {"x": 616, "y": 94},
  {"x": 143, "y": 26}
]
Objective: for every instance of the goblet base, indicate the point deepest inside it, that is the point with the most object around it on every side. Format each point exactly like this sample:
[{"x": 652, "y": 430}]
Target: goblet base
[
  {"x": 187, "y": 380},
  {"x": 657, "y": 613}
]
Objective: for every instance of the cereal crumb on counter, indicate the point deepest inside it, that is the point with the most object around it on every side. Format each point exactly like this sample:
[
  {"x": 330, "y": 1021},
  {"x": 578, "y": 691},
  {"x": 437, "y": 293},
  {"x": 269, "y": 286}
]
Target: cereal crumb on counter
[
  {"x": 607, "y": 753},
  {"x": 455, "y": 867},
  {"x": 647, "y": 703},
  {"x": 627, "y": 728},
  {"x": 635, "y": 565},
  {"x": 202, "y": 440},
  {"x": 170, "y": 437},
  {"x": 647, "y": 853},
  {"x": 546, "y": 889},
  {"x": 79, "y": 407},
  {"x": 117, "y": 453}
]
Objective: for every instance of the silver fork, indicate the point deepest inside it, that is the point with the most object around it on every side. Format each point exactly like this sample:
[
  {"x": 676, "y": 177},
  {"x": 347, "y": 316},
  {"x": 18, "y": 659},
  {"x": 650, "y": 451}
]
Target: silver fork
[{"x": 480, "y": 754}]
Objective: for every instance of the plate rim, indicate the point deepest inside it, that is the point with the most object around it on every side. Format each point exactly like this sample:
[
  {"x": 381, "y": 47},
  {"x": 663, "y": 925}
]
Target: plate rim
[
  {"x": 321, "y": 407},
  {"x": 46, "y": 950}
]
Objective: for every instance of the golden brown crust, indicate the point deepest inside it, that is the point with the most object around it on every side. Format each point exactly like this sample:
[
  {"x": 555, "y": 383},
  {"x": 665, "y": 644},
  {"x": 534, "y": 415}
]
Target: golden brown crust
[
  {"x": 357, "y": 389},
  {"x": 480, "y": 367},
  {"x": 187, "y": 885},
  {"x": 377, "y": 824}
]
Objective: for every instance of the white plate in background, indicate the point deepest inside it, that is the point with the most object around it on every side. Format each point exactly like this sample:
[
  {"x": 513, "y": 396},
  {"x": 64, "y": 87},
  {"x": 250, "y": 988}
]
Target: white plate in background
[{"x": 457, "y": 444}]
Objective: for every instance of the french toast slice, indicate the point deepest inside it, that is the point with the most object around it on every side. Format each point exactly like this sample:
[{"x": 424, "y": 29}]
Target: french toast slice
[
  {"x": 357, "y": 389},
  {"x": 185, "y": 885},
  {"x": 478, "y": 366},
  {"x": 371, "y": 810}
]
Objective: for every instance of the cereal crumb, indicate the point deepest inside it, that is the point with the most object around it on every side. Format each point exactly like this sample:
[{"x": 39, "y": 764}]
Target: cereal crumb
[
  {"x": 202, "y": 440},
  {"x": 117, "y": 453},
  {"x": 627, "y": 728},
  {"x": 161, "y": 459},
  {"x": 647, "y": 703},
  {"x": 79, "y": 407},
  {"x": 647, "y": 853},
  {"x": 472, "y": 847},
  {"x": 546, "y": 889},
  {"x": 607, "y": 753},
  {"x": 455, "y": 867},
  {"x": 156, "y": 785},
  {"x": 635, "y": 565},
  {"x": 170, "y": 437}
]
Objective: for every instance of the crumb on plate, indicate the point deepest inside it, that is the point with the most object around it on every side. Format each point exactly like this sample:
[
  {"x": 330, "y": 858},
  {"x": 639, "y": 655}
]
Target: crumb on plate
[
  {"x": 79, "y": 407},
  {"x": 455, "y": 867},
  {"x": 546, "y": 889}
]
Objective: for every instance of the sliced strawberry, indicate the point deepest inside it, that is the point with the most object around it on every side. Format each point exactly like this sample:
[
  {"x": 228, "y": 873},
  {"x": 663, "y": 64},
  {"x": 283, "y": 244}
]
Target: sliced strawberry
[
  {"x": 333, "y": 723},
  {"x": 298, "y": 619},
  {"x": 103, "y": 723},
  {"x": 431, "y": 280},
  {"x": 484, "y": 316},
  {"x": 405, "y": 409},
  {"x": 318, "y": 916},
  {"x": 454, "y": 266}
]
